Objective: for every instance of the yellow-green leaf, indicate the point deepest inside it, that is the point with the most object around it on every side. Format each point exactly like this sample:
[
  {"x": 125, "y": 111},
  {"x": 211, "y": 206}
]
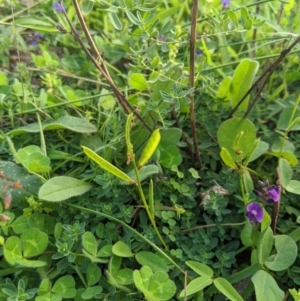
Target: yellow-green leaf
[{"x": 107, "y": 165}]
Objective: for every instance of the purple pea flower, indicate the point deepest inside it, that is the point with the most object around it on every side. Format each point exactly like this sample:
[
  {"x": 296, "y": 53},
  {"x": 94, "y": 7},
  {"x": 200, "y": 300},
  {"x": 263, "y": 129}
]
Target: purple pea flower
[
  {"x": 58, "y": 7},
  {"x": 270, "y": 193},
  {"x": 225, "y": 3},
  {"x": 37, "y": 36},
  {"x": 255, "y": 213}
]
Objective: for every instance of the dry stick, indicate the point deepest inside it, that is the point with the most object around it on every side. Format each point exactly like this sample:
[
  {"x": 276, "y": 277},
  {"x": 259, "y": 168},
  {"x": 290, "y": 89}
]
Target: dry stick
[
  {"x": 269, "y": 70},
  {"x": 99, "y": 64},
  {"x": 192, "y": 81},
  {"x": 276, "y": 205}
]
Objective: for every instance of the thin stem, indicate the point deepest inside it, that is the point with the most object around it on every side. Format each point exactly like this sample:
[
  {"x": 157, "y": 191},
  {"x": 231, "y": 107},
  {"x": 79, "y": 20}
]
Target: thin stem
[
  {"x": 212, "y": 225},
  {"x": 254, "y": 33},
  {"x": 192, "y": 81},
  {"x": 152, "y": 220}
]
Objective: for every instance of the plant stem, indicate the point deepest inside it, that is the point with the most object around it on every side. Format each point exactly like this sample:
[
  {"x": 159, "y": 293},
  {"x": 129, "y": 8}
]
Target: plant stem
[
  {"x": 212, "y": 225},
  {"x": 152, "y": 220},
  {"x": 192, "y": 81}
]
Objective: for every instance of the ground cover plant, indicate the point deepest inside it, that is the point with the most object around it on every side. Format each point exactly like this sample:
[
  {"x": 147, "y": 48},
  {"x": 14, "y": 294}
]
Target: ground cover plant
[{"x": 149, "y": 150}]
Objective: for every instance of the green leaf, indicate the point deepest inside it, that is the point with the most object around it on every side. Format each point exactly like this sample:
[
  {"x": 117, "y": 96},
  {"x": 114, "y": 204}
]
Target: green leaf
[
  {"x": 293, "y": 187},
  {"x": 107, "y": 165},
  {"x": 261, "y": 149},
  {"x": 93, "y": 274},
  {"x": 71, "y": 123},
  {"x": 243, "y": 145},
  {"x": 115, "y": 21},
  {"x": 65, "y": 287},
  {"x": 264, "y": 245},
  {"x": 33, "y": 159},
  {"x": 20, "y": 224},
  {"x": 59, "y": 189},
  {"x": 138, "y": 81},
  {"x": 285, "y": 172},
  {"x": 89, "y": 243},
  {"x": 124, "y": 276},
  {"x": 248, "y": 182},
  {"x": 87, "y": 7},
  {"x": 90, "y": 293},
  {"x": 227, "y": 289},
  {"x": 290, "y": 157},
  {"x": 169, "y": 156},
  {"x": 132, "y": 18},
  {"x": 286, "y": 118},
  {"x": 246, "y": 234},
  {"x": 200, "y": 268},
  {"x": 266, "y": 288},
  {"x": 170, "y": 136},
  {"x": 34, "y": 242},
  {"x": 227, "y": 159},
  {"x": 31, "y": 263},
  {"x": 145, "y": 172},
  {"x": 151, "y": 260},
  {"x": 12, "y": 249},
  {"x": 287, "y": 251},
  {"x": 266, "y": 222},
  {"x": 241, "y": 82},
  {"x": 155, "y": 287},
  {"x": 121, "y": 249},
  {"x": 196, "y": 285},
  {"x": 30, "y": 183}
]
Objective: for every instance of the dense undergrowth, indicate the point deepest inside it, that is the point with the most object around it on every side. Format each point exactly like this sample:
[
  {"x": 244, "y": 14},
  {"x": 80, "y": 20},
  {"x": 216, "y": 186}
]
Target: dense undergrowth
[{"x": 131, "y": 169}]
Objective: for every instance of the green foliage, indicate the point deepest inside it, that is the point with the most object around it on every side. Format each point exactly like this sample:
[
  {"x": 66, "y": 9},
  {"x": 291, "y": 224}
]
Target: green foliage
[{"x": 102, "y": 195}]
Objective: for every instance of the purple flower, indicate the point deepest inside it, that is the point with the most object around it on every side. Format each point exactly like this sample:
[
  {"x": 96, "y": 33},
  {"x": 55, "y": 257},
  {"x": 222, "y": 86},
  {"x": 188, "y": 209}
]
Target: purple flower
[
  {"x": 255, "y": 213},
  {"x": 269, "y": 193},
  {"x": 58, "y": 7},
  {"x": 37, "y": 36},
  {"x": 225, "y": 3},
  {"x": 272, "y": 194},
  {"x": 198, "y": 52}
]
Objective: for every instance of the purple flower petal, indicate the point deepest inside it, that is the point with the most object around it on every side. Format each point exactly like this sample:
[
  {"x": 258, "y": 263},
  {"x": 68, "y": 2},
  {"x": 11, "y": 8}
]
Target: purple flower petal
[
  {"x": 58, "y": 7},
  {"x": 37, "y": 36},
  {"x": 273, "y": 194},
  {"x": 255, "y": 212},
  {"x": 225, "y": 3}
]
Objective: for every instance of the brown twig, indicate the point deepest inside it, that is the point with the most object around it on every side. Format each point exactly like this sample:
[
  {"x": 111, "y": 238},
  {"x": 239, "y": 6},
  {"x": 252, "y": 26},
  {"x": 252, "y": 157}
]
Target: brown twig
[
  {"x": 192, "y": 81},
  {"x": 268, "y": 72},
  {"x": 276, "y": 205},
  {"x": 98, "y": 61}
]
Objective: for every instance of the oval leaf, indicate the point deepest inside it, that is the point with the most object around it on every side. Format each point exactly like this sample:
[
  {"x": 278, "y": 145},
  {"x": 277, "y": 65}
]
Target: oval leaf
[
  {"x": 121, "y": 249},
  {"x": 196, "y": 285},
  {"x": 59, "y": 189},
  {"x": 115, "y": 21},
  {"x": 227, "y": 159},
  {"x": 138, "y": 82}
]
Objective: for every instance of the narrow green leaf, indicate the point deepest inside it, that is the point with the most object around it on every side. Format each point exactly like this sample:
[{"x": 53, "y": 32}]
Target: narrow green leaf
[
  {"x": 227, "y": 289},
  {"x": 200, "y": 268},
  {"x": 264, "y": 245},
  {"x": 285, "y": 172},
  {"x": 242, "y": 81},
  {"x": 115, "y": 21},
  {"x": 107, "y": 165},
  {"x": 130, "y": 154},
  {"x": 133, "y": 19},
  {"x": 196, "y": 285},
  {"x": 227, "y": 159}
]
